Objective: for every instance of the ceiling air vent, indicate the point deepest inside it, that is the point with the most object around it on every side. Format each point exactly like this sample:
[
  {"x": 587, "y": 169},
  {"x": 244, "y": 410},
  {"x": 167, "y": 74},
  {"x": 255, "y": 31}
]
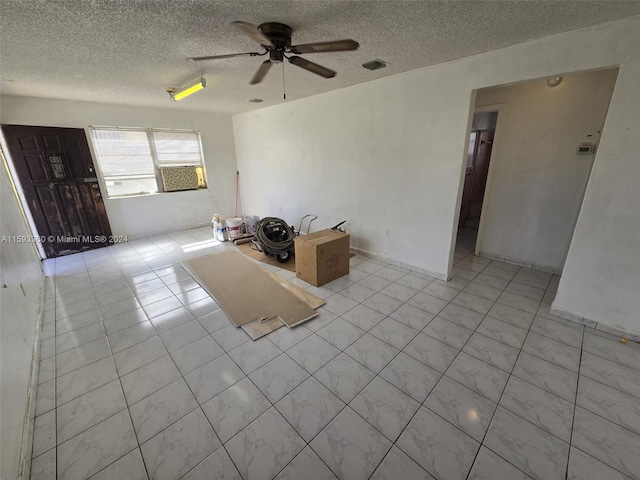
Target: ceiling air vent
[{"x": 375, "y": 64}]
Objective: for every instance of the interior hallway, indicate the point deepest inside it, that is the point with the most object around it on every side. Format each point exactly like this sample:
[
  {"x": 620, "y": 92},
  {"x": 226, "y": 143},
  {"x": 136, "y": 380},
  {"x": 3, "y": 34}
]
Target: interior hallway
[{"x": 402, "y": 376}]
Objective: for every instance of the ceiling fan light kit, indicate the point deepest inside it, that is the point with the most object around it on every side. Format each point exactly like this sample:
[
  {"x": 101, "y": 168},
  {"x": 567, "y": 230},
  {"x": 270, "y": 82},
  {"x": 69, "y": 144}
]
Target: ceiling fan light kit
[
  {"x": 177, "y": 95},
  {"x": 275, "y": 38}
]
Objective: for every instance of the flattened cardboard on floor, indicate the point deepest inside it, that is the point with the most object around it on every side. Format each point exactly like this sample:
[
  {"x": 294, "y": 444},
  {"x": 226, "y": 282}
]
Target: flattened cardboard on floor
[
  {"x": 308, "y": 298},
  {"x": 258, "y": 329},
  {"x": 245, "y": 291},
  {"x": 322, "y": 256},
  {"x": 247, "y": 249}
]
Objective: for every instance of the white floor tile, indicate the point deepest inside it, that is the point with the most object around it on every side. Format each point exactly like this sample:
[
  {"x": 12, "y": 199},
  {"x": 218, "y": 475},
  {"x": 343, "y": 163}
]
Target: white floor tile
[
  {"x": 385, "y": 407},
  {"x": 437, "y": 446},
  {"x": 179, "y": 448},
  {"x": 265, "y": 447},
  {"x": 350, "y": 446}
]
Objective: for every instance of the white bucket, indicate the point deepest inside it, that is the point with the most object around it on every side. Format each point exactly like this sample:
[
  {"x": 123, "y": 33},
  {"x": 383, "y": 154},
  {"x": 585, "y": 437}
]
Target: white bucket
[
  {"x": 234, "y": 227},
  {"x": 250, "y": 223}
]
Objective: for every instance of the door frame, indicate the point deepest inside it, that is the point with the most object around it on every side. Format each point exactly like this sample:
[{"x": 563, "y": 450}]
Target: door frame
[
  {"x": 500, "y": 108},
  {"x": 19, "y": 191}
]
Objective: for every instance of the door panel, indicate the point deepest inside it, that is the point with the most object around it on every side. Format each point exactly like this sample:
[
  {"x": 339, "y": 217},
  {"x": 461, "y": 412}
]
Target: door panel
[
  {"x": 481, "y": 166},
  {"x": 465, "y": 207},
  {"x": 57, "y": 174},
  {"x": 46, "y": 202},
  {"x": 476, "y": 179},
  {"x": 28, "y": 143},
  {"x": 36, "y": 169}
]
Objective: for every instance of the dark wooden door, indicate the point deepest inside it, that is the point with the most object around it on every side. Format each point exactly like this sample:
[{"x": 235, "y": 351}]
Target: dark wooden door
[
  {"x": 57, "y": 175},
  {"x": 465, "y": 207},
  {"x": 481, "y": 167}
]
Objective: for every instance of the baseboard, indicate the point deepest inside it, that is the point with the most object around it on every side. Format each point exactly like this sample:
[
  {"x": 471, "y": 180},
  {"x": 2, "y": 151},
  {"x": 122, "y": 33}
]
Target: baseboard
[
  {"x": 145, "y": 235},
  {"x": 521, "y": 263},
  {"x": 594, "y": 324},
  {"x": 558, "y": 312},
  {"x": 26, "y": 445},
  {"x": 391, "y": 261}
]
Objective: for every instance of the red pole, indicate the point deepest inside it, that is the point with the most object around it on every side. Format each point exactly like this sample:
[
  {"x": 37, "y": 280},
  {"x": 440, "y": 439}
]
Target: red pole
[{"x": 237, "y": 181}]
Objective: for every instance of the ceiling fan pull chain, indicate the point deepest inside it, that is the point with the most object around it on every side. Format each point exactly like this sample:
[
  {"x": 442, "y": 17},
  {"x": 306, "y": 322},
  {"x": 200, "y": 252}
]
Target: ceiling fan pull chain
[{"x": 284, "y": 87}]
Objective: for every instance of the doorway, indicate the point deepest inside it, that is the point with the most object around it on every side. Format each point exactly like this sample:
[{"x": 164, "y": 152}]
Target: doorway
[
  {"x": 477, "y": 169},
  {"x": 546, "y": 138},
  {"x": 58, "y": 179}
]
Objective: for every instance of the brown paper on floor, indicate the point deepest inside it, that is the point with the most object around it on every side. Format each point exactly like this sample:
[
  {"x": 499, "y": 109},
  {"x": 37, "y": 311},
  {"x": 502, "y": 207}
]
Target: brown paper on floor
[
  {"x": 247, "y": 249},
  {"x": 245, "y": 291},
  {"x": 258, "y": 329},
  {"x": 308, "y": 298}
]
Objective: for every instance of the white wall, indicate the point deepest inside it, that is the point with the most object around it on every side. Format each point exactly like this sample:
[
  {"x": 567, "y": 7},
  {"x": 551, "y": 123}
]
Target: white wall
[
  {"x": 20, "y": 302},
  {"x": 389, "y": 153},
  {"x": 145, "y": 215},
  {"x": 601, "y": 277},
  {"x": 365, "y": 154},
  {"x": 537, "y": 179}
]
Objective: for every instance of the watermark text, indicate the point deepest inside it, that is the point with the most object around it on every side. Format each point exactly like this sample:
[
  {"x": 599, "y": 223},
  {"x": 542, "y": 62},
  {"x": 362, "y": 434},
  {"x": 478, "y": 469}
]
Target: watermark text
[{"x": 64, "y": 239}]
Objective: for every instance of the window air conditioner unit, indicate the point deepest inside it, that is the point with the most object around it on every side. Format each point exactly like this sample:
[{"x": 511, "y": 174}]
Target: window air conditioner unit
[{"x": 179, "y": 178}]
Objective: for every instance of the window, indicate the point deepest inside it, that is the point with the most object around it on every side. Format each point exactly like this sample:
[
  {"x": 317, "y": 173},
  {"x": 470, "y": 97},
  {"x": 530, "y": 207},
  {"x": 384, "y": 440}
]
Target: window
[{"x": 131, "y": 159}]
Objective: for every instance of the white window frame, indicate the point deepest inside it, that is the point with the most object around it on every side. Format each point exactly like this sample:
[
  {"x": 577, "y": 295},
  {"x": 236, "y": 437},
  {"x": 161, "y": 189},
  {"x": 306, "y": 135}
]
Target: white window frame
[{"x": 154, "y": 157}]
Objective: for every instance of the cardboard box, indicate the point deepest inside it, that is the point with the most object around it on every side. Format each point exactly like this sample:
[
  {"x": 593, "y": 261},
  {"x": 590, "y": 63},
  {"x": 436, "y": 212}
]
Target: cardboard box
[{"x": 322, "y": 256}]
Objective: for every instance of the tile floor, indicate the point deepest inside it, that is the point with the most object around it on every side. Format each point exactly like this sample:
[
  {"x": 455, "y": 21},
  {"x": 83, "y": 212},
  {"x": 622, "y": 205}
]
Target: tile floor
[{"x": 402, "y": 376}]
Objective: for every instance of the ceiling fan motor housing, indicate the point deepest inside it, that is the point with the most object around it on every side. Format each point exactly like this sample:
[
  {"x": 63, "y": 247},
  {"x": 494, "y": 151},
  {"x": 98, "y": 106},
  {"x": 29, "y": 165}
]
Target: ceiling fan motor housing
[
  {"x": 276, "y": 56},
  {"x": 278, "y": 33}
]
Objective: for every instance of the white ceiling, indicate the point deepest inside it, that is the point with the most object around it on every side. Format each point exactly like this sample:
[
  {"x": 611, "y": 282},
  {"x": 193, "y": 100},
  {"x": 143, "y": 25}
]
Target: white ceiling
[{"x": 128, "y": 51}]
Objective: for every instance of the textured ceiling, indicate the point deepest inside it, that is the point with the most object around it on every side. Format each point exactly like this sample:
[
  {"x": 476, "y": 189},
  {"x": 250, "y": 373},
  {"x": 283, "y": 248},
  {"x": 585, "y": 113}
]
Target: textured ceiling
[{"x": 128, "y": 51}]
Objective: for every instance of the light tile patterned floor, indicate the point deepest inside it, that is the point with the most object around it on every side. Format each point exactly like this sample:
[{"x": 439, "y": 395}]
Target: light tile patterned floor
[{"x": 402, "y": 376}]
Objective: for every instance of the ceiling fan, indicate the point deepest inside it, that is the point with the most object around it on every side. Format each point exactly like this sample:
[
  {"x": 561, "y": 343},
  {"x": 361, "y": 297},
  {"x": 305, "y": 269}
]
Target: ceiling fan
[{"x": 275, "y": 38}]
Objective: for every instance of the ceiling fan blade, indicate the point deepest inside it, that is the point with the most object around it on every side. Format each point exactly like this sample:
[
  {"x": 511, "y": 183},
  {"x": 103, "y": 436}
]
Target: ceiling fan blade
[
  {"x": 319, "y": 47},
  {"x": 252, "y": 31},
  {"x": 262, "y": 71},
  {"x": 218, "y": 57},
  {"x": 312, "y": 67}
]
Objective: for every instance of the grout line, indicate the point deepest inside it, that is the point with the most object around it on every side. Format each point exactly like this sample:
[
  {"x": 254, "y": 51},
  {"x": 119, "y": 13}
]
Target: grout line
[
  {"x": 125, "y": 401},
  {"x": 55, "y": 373},
  {"x": 499, "y": 399},
  {"x": 508, "y": 379},
  {"x": 575, "y": 404}
]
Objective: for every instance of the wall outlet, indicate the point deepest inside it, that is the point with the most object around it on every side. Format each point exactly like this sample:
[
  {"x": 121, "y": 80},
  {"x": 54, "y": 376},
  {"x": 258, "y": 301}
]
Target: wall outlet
[{"x": 387, "y": 232}]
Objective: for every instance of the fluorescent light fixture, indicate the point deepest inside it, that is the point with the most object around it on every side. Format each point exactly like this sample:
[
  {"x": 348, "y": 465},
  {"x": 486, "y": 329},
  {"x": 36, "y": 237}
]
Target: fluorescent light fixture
[{"x": 179, "y": 95}]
